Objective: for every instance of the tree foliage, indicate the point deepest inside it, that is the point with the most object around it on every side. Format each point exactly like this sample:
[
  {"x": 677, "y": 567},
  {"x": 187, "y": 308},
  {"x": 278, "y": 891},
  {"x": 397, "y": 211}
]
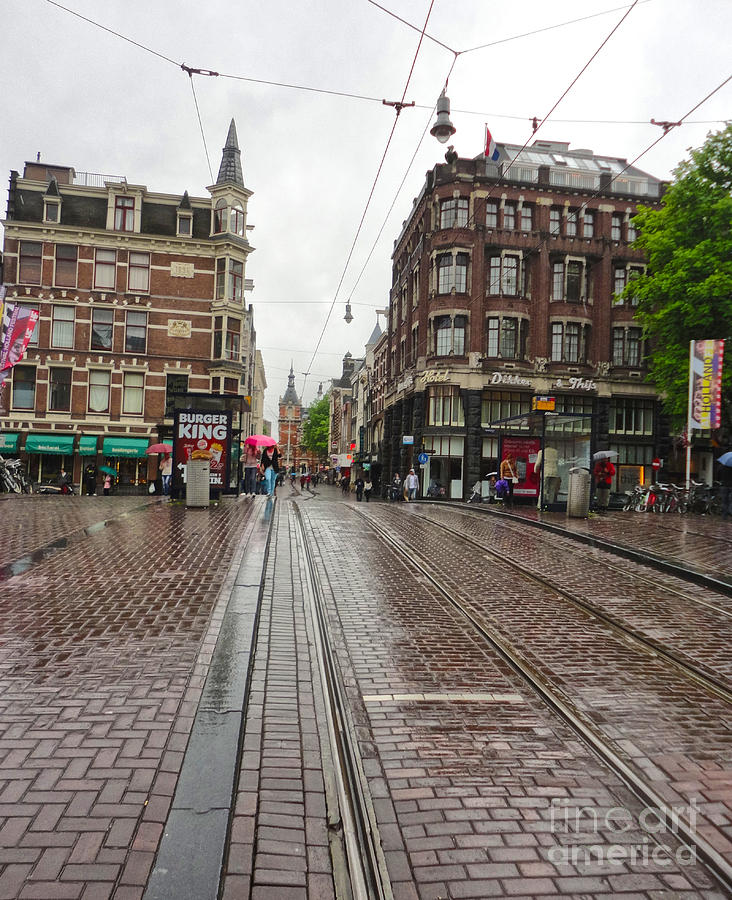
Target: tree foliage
[
  {"x": 315, "y": 429},
  {"x": 686, "y": 293}
]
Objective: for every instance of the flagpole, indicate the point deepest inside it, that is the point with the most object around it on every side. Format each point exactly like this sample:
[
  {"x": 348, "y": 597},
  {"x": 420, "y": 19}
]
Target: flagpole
[{"x": 689, "y": 430}]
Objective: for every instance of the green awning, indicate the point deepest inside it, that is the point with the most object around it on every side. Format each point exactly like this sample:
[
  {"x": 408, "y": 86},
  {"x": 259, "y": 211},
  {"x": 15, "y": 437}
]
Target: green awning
[
  {"x": 88, "y": 445},
  {"x": 125, "y": 446},
  {"x": 8, "y": 441},
  {"x": 60, "y": 444}
]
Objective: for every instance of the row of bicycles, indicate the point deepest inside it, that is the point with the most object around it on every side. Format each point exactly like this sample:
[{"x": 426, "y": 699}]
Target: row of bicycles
[
  {"x": 700, "y": 498},
  {"x": 13, "y": 479}
]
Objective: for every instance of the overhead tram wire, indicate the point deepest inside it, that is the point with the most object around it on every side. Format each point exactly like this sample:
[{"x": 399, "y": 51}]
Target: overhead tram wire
[{"x": 398, "y": 109}]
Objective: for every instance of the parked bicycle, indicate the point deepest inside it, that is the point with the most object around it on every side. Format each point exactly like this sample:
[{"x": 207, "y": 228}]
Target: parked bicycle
[{"x": 13, "y": 479}]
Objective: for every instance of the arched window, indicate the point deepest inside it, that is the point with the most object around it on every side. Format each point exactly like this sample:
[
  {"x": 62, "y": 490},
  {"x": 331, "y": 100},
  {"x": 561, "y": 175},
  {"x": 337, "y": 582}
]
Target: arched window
[{"x": 220, "y": 216}]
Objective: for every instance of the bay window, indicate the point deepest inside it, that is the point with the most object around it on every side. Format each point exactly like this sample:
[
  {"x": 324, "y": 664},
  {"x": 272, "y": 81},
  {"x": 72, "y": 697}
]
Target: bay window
[
  {"x": 506, "y": 337},
  {"x": 569, "y": 342},
  {"x": 237, "y": 220},
  {"x": 505, "y": 276},
  {"x": 627, "y": 347},
  {"x": 452, "y": 273},
  {"x": 454, "y": 213},
  {"x": 233, "y": 338},
  {"x": 449, "y": 335},
  {"x": 236, "y": 280},
  {"x": 220, "y": 216},
  {"x": 569, "y": 280}
]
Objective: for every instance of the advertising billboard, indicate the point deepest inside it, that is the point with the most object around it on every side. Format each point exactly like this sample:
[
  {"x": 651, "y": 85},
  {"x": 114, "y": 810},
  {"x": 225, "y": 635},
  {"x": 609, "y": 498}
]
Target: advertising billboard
[
  {"x": 204, "y": 434},
  {"x": 524, "y": 451}
]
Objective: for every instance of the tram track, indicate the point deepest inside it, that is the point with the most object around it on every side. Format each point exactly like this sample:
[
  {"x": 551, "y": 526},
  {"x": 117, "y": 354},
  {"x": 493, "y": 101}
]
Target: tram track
[
  {"x": 706, "y": 679},
  {"x": 365, "y": 861},
  {"x": 580, "y": 722}
]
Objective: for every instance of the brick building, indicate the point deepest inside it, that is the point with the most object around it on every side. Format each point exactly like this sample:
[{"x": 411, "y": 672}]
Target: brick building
[
  {"x": 141, "y": 296},
  {"x": 506, "y": 284}
]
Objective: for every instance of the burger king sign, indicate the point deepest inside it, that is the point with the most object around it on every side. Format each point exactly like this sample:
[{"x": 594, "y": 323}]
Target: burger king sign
[{"x": 204, "y": 434}]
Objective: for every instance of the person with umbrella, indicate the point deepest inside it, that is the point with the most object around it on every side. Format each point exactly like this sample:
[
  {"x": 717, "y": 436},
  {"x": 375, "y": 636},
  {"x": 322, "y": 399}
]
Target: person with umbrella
[
  {"x": 725, "y": 479},
  {"x": 269, "y": 466},
  {"x": 251, "y": 463},
  {"x": 109, "y": 474},
  {"x": 165, "y": 465},
  {"x": 603, "y": 473}
]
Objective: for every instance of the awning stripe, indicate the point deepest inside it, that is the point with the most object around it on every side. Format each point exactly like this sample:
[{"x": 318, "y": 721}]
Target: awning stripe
[
  {"x": 88, "y": 445},
  {"x": 125, "y": 446},
  {"x": 8, "y": 441},
  {"x": 59, "y": 444}
]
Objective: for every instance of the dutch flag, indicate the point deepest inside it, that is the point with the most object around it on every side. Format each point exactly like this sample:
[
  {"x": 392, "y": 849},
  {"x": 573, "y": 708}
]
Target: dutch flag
[{"x": 491, "y": 151}]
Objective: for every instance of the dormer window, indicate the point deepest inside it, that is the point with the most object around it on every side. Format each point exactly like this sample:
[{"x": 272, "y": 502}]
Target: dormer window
[
  {"x": 185, "y": 224},
  {"x": 51, "y": 211},
  {"x": 124, "y": 213},
  {"x": 220, "y": 217}
]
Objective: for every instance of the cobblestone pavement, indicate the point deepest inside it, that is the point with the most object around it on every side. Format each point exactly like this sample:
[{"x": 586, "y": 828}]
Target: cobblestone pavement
[
  {"x": 100, "y": 674},
  {"x": 472, "y": 775}
]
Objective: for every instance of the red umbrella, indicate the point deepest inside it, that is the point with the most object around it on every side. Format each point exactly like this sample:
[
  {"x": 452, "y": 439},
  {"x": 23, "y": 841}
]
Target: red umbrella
[
  {"x": 159, "y": 448},
  {"x": 260, "y": 440}
]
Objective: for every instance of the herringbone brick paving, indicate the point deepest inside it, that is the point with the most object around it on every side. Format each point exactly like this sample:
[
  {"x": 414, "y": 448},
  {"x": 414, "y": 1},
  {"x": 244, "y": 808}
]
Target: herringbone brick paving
[{"x": 100, "y": 674}]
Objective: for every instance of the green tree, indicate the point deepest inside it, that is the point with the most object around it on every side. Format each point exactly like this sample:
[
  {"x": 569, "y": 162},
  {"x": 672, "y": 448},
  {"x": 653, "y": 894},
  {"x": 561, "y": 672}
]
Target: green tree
[
  {"x": 686, "y": 293},
  {"x": 315, "y": 429}
]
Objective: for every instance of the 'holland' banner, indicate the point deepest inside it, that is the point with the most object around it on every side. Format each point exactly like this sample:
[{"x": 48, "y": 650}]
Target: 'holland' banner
[
  {"x": 491, "y": 151},
  {"x": 18, "y": 324},
  {"x": 705, "y": 384}
]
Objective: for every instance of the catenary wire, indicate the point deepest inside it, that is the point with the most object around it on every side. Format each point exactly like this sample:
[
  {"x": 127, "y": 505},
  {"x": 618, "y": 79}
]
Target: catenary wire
[
  {"x": 200, "y": 123},
  {"x": 368, "y": 201}
]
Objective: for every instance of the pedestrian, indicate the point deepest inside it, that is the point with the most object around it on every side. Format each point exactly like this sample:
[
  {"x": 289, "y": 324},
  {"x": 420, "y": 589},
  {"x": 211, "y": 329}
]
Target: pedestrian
[
  {"x": 251, "y": 464},
  {"x": 367, "y": 488},
  {"x": 603, "y": 474},
  {"x": 411, "y": 483},
  {"x": 550, "y": 475},
  {"x": 90, "y": 479},
  {"x": 269, "y": 466},
  {"x": 396, "y": 487},
  {"x": 725, "y": 481},
  {"x": 359, "y": 488},
  {"x": 508, "y": 474},
  {"x": 345, "y": 483},
  {"x": 166, "y": 472},
  {"x": 64, "y": 482},
  {"x": 107, "y": 484}
]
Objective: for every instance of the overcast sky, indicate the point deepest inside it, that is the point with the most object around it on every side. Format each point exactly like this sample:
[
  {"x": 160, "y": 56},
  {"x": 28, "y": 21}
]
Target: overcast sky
[{"x": 83, "y": 97}]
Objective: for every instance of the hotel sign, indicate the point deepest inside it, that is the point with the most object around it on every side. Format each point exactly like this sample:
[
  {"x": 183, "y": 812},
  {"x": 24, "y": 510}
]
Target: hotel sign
[
  {"x": 432, "y": 376},
  {"x": 506, "y": 378},
  {"x": 575, "y": 384}
]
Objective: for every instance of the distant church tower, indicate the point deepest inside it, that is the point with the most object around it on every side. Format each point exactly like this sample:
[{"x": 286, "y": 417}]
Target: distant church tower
[{"x": 289, "y": 424}]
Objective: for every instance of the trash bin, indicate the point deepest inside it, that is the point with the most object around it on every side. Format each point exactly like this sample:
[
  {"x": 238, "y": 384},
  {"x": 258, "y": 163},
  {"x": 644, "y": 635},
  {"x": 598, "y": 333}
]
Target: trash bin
[
  {"x": 578, "y": 495},
  {"x": 198, "y": 482}
]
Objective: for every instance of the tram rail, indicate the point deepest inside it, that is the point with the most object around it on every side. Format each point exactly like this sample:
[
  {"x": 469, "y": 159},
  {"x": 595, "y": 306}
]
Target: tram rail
[{"x": 580, "y": 723}]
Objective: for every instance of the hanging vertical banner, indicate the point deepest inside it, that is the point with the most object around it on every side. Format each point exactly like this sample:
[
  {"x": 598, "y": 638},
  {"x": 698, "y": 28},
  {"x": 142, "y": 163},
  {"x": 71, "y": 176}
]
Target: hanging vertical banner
[
  {"x": 17, "y": 334},
  {"x": 705, "y": 384}
]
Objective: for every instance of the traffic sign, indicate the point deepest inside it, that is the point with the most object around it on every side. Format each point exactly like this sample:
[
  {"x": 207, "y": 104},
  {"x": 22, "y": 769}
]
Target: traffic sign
[{"x": 422, "y": 458}]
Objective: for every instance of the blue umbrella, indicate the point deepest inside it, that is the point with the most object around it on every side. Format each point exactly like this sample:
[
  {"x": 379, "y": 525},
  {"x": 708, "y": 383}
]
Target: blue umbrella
[{"x": 726, "y": 458}]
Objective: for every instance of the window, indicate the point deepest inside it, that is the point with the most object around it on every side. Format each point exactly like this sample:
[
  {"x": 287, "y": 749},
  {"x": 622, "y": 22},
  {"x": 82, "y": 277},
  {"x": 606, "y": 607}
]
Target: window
[
  {"x": 220, "y": 217},
  {"x": 444, "y": 406},
  {"x": 124, "y": 214},
  {"x": 627, "y": 347},
  {"x": 588, "y": 229},
  {"x": 218, "y": 337},
  {"x": 24, "y": 387},
  {"x": 174, "y": 384},
  {"x": 59, "y": 389},
  {"x": 185, "y": 223},
  {"x": 497, "y": 405},
  {"x": 105, "y": 269},
  {"x": 220, "y": 279},
  {"x": 452, "y": 273},
  {"x": 527, "y": 218},
  {"x": 236, "y": 280},
  {"x": 237, "y": 220},
  {"x": 102, "y": 329},
  {"x": 51, "y": 211},
  {"x": 133, "y": 391},
  {"x": 233, "y": 337},
  {"x": 509, "y": 215},
  {"x": 509, "y": 338},
  {"x": 99, "y": 390},
  {"x": 449, "y": 335},
  {"x": 619, "y": 280},
  {"x": 62, "y": 327},
  {"x": 568, "y": 281},
  {"x": 454, "y": 213},
  {"x": 491, "y": 214},
  {"x": 631, "y": 416},
  {"x": 415, "y": 287},
  {"x": 505, "y": 276},
  {"x": 66, "y": 256},
  {"x": 632, "y": 231},
  {"x": 571, "y": 223},
  {"x": 558, "y": 281},
  {"x": 492, "y": 332},
  {"x": 555, "y": 220},
  {"x": 616, "y": 228},
  {"x": 29, "y": 264},
  {"x": 569, "y": 342},
  {"x": 136, "y": 332},
  {"x": 138, "y": 276},
  {"x": 574, "y": 282},
  {"x": 414, "y": 350}
]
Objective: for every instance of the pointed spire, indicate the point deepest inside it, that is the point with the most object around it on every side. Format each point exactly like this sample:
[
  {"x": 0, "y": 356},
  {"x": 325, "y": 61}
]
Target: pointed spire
[
  {"x": 291, "y": 394},
  {"x": 230, "y": 168},
  {"x": 185, "y": 202},
  {"x": 52, "y": 189}
]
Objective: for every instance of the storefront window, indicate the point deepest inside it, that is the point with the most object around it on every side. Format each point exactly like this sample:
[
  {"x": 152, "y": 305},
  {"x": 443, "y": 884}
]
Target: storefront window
[
  {"x": 631, "y": 416},
  {"x": 497, "y": 405},
  {"x": 445, "y": 406}
]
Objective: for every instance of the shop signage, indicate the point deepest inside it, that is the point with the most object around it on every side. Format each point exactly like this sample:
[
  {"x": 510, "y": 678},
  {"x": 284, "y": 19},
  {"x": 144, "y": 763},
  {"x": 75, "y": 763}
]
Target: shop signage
[
  {"x": 575, "y": 384},
  {"x": 507, "y": 378},
  {"x": 200, "y": 433},
  {"x": 405, "y": 383},
  {"x": 542, "y": 402},
  {"x": 407, "y": 439},
  {"x": 431, "y": 376}
]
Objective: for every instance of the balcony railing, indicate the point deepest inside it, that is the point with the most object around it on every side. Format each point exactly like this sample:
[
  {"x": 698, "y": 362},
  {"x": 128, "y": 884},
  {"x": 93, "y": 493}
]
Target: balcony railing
[{"x": 95, "y": 179}]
